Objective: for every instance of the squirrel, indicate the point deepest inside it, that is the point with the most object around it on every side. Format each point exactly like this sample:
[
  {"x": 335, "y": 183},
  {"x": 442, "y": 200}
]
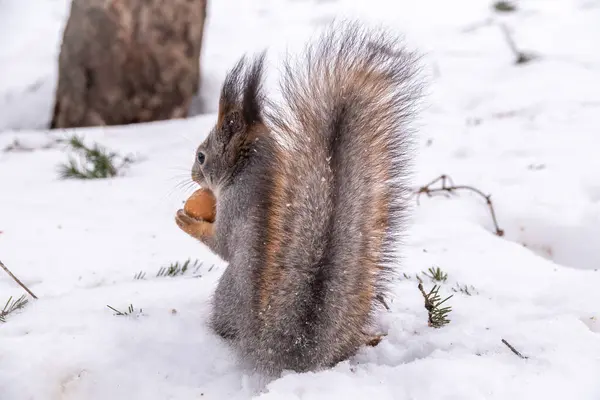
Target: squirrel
[{"x": 310, "y": 197}]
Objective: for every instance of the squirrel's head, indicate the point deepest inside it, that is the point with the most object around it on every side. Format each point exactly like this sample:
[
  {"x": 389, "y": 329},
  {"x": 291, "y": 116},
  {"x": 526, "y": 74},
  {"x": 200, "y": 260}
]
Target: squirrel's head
[{"x": 240, "y": 122}]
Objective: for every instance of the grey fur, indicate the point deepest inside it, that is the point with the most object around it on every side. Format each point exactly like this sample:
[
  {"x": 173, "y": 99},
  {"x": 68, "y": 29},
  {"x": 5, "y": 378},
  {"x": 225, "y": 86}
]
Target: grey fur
[{"x": 310, "y": 198}]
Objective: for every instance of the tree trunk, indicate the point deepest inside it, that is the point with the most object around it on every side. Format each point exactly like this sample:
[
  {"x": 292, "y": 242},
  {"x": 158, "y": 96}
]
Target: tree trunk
[{"x": 128, "y": 61}]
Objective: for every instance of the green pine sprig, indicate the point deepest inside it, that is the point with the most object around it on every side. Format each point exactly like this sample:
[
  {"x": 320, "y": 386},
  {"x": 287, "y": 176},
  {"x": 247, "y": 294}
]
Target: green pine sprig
[
  {"x": 436, "y": 274},
  {"x": 12, "y": 306},
  {"x": 91, "y": 162},
  {"x": 505, "y": 6},
  {"x": 174, "y": 269},
  {"x": 438, "y": 315},
  {"x": 177, "y": 268}
]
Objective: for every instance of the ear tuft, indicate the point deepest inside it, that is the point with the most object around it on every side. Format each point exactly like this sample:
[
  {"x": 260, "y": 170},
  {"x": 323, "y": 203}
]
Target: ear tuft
[
  {"x": 253, "y": 98},
  {"x": 231, "y": 90}
]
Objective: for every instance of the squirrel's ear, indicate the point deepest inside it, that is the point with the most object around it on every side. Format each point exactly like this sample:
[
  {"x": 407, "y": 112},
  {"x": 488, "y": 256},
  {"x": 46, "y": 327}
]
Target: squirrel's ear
[
  {"x": 252, "y": 97},
  {"x": 231, "y": 90}
]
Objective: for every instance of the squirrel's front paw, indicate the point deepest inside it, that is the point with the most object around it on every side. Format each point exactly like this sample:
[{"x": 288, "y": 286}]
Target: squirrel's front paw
[{"x": 196, "y": 228}]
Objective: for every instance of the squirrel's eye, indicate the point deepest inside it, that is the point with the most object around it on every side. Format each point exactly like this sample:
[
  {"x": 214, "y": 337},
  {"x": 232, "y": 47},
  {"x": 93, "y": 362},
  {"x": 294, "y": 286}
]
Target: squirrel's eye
[{"x": 200, "y": 157}]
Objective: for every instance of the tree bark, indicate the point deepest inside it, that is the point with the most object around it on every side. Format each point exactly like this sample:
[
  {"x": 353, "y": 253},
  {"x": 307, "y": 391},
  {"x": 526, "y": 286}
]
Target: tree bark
[{"x": 128, "y": 61}]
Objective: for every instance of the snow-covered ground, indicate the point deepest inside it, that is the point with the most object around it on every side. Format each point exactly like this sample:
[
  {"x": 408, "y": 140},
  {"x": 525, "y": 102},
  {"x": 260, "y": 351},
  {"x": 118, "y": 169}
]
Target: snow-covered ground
[{"x": 527, "y": 134}]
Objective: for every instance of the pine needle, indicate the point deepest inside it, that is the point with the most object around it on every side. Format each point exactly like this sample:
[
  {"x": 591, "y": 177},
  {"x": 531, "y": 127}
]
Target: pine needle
[
  {"x": 130, "y": 310},
  {"x": 174, "y": 269},
  {"x": 91, "y": 162},
  {"x": 12, "y": 306},
  {"x": 436, "y": 274},
  {"x": 469, "y": 290},
  {"x": 438, "y": 316},
  {"x": 140, "y": 275}
]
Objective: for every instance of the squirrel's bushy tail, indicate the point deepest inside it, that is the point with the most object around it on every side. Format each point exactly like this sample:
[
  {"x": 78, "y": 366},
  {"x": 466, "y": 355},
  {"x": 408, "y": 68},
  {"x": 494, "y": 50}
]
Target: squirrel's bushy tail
[{"x": 339, "y": 195}]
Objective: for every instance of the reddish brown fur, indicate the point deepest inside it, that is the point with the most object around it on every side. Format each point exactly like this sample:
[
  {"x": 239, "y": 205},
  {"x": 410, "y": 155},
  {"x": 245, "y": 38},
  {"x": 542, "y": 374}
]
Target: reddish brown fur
[{"x": 271, "y": 272}]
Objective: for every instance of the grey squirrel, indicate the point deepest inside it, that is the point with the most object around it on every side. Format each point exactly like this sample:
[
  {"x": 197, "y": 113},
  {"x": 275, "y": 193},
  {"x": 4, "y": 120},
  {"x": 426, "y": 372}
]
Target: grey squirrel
[{"x": 310, "y": 197}]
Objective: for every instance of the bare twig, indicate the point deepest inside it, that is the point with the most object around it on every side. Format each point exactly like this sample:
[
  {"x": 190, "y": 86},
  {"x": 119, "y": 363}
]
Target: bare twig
[
  {"x": 117, "y": 312},
  {"x": 448, "y": 187},
  {"x": 514, "y": 350},
  {"x": 520, "y": 56},
  {"x": 17, "y": 280}
]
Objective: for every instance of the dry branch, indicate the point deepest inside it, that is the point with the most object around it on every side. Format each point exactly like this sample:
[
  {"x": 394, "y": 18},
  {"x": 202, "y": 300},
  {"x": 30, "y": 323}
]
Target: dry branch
[
  {"x": 514, "y": 350},
  {"x": 17, "y": 280},
  {"x": 520, "y": 56},
  {"x": 448, "y": 187}
]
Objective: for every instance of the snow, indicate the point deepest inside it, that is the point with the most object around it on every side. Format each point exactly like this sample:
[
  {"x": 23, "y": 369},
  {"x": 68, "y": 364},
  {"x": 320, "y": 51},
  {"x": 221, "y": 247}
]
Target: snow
[{"x": 526, "y": 134}]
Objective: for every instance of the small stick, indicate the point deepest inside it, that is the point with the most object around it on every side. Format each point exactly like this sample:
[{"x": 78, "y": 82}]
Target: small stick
[
  {"x": 428, "y": 305},
  {"x": 520, "y": 57},
  {"x": 17, "y": 280},
  {"x": 514, "y": 350},
  {"x": 448, "y": 187},
  {"x": 509, "y": 40},
  {"x": 116, "y": 311}
]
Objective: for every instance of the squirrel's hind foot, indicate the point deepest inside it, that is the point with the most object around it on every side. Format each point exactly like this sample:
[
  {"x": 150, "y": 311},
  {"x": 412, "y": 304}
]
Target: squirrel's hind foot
[{"x": 375, "y": 340}]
